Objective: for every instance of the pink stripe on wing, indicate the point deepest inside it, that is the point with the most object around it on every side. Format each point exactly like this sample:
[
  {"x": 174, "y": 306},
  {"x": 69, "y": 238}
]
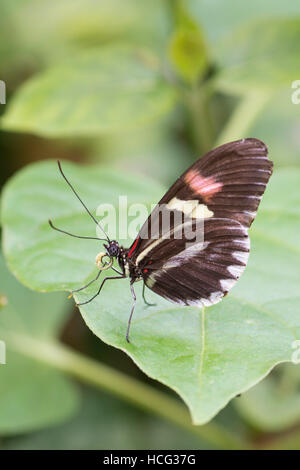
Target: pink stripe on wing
[{"x": 206, "y": 187}]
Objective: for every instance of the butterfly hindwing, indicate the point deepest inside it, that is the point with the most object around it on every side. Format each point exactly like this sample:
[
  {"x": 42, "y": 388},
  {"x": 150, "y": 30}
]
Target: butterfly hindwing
[{"x": 199, "y": 273}]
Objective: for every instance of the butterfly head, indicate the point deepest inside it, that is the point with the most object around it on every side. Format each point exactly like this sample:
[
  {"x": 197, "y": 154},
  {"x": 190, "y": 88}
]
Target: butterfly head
[{"x": 112, "y": 249}]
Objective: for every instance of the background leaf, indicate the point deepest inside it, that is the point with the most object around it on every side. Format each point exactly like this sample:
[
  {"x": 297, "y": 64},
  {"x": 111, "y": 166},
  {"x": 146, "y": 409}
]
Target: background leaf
[
  {"x": 187, "y": 49},
  {"x": 142, "y": 153},
  {"x": 55, "y": 201},
  {"x": 112, "y": 89},
  {"x": 261, "y": 55},
  {"x": 32, "y": 395},
  {"x": 187, "y": 52},
  {"x": 63, "y": 28},
  {"x": 221, "y": 17},
  {"x": 280, "y": 130},
  {"x": 208, "y": 357},
  {"x": 274, "y": 404},
  {"x": 104, "y": 422}
]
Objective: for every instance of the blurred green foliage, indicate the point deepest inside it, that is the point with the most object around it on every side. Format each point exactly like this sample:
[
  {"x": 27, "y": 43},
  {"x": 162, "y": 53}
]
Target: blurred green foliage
[
  {"x": 144, "y": 89},
  {"x": 32, "y": 395}
]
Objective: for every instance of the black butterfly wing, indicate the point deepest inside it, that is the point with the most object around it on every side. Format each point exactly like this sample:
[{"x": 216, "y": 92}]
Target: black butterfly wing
[
  {"x": 222, "y": 190},
  {"x": 198, "y": 273}
]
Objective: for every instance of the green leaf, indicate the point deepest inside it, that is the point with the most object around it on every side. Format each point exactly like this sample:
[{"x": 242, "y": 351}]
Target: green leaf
[
  {"x": 187, "y": 49},
  {"x": 62, "y": 28},
  {"x": 221, "y": 17},
  {"x": 262, "y": 55},
  {"x": 208, "y": 356},
  {"x": 42, "y": 246},
  {"x": 32, "y": 395},
  {"x": 274, "y": 404},
  {"x": 104, "y": 422},
  {"x": 188, "y": 54},
  {"x": 143, "y": 152},
  {"x": 278, "y": 126},
  {"x": 104, "y": 90}
]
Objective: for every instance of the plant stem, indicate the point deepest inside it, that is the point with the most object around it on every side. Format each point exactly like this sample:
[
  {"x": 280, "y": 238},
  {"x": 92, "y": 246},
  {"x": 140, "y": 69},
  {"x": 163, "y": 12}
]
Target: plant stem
[
  {"x": 198, "y": 103},
  {"x": 244, "y": 116},
  {"x": 133, "y": 391},
  {"x": 288, "y": 441}
]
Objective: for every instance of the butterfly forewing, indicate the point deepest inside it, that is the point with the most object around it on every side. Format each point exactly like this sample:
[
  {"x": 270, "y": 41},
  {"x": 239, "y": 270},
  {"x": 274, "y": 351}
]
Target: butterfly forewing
[{"x": 217, "y": 197}]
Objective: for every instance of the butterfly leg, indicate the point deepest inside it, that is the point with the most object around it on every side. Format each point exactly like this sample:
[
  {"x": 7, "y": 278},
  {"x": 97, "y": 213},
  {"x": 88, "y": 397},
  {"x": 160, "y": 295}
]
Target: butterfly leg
[
  {"x": 91, "y": 282},
  {"x": 131, "y": 313},
  {"x": 143, "y": 295},
  {"x": 99, "y": 290},
  {"x": 87, "y": 285},
  {"x": 116, "y": 271}
]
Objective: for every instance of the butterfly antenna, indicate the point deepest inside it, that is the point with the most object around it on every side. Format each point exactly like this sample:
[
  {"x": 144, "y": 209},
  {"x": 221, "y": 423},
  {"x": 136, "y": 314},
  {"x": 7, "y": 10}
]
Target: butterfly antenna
[
  {"x": 78, "y": 197},
  {"x": 72, "y": 234}
]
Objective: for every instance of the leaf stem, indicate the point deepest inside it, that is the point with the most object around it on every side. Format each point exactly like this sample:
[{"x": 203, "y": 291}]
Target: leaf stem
[
  {"x": 244, "y": 116},
  {"x": 129, "y": 389},
  {"x": 198, "y": 103}
]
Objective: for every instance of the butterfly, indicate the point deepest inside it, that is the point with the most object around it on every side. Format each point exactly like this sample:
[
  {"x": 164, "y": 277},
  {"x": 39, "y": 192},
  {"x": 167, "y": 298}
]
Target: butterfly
[{"x": 200, "y": 253}]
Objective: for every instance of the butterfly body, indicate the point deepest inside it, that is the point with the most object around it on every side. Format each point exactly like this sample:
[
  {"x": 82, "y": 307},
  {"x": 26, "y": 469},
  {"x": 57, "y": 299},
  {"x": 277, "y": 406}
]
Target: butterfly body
[{"x": 194, "y": 246}]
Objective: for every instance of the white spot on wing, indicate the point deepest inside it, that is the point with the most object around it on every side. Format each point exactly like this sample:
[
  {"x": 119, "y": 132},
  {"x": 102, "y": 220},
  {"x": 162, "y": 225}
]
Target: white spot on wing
[
  {"x": 202, "y": 212},
  {"x": 165, "y": 236},
  {"x": 191, "y": 207},
  {"x": 183, "y": 206},
  {"x": 196, "y": 303},
  {"x": 227, "y": 284},
  {"x": 241, "y": 256},
  {"x": 250, "y": 213},
  {"x": 185, "y": 255},
  {"x": 235, "y": 270},
  {"x": 213, "y": 299}
]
